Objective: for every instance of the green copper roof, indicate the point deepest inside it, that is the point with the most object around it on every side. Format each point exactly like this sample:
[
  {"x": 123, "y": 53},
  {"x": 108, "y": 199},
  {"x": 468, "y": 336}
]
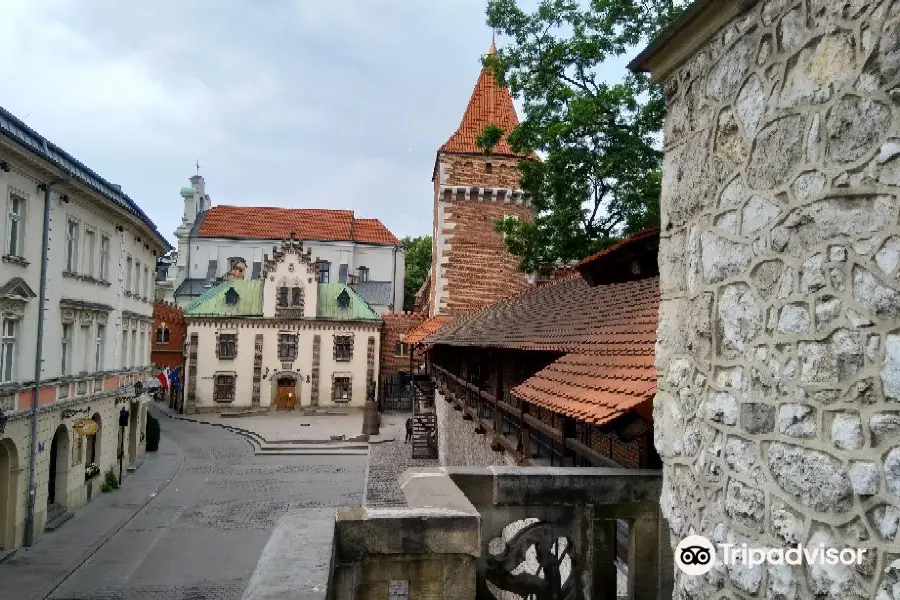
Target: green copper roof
[
  {"x": 212, "y": 303},
  {"x": 329, "y": 308},
  {"x": 187, "y": 191}
]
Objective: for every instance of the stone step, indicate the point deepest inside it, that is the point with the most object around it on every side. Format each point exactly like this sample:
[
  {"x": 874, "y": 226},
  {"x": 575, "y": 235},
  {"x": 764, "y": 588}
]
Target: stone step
[
  {"x": 56, "y": 516},
  {"x": 303, "y": 446},
  {"x": 314, "y": 452}
]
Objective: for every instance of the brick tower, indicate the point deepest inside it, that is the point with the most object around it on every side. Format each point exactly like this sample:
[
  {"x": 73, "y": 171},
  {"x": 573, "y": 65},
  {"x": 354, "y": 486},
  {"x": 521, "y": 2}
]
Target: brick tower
[{"x": 471, "y": 267}]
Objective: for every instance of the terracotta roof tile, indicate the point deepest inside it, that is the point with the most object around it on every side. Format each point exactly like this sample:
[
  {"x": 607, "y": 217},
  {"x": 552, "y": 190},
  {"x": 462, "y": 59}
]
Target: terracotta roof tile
[
  {"x": 568, "y": 316},
  {"x": 425, "y": 329},
  {"x": 490, "y": 104},
  {"x": 592, "y": 388},
  {"x": 607, "y": 332},
  {"x": 640, "y": 236},
  {"x": 272, "y": 223}
]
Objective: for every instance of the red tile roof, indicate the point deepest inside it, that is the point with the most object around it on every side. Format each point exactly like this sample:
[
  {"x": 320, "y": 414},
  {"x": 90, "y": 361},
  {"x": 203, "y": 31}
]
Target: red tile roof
[
  {"x": 272, "y": 223},
  {"x": 425, "y": 329},
  {"x": 607, "y": 333},
  {"x": 567, "y": 316},
  {"x": 490, "y": 104},
  {"x": 640, "y": 236},
  {"x": 592, "y": 388}
]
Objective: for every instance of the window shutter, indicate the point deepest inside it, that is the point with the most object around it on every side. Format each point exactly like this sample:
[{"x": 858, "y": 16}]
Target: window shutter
[
  {"x": 218, "y": 352},
  {"x": 342, "y": 274}
]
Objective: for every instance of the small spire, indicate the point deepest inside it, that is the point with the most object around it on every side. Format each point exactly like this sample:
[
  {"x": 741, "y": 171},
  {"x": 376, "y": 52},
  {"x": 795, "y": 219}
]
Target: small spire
[
  {"x": 493, "y": 48},
  {"x": 198, "y": 166}
]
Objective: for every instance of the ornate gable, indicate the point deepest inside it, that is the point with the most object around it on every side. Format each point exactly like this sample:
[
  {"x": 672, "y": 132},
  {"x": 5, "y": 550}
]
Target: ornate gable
[
  {"x": 290, "y": 281},
  {"x": 13, "y": 296},
  {"x": 291, "y": 246}
]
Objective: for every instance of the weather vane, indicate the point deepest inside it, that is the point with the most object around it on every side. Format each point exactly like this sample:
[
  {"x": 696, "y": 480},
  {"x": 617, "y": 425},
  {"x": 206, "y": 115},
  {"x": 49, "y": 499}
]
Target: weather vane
[{"x": 198, "y": 166}]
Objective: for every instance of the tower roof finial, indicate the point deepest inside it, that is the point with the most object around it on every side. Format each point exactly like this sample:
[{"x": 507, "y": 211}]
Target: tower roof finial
[
  {"x": 493, "y": 48},
  {"x": 198, "y": 166}
]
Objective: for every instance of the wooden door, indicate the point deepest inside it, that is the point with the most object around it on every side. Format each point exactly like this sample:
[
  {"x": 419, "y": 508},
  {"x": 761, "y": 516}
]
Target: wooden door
[{"x": 285, "y": 398}]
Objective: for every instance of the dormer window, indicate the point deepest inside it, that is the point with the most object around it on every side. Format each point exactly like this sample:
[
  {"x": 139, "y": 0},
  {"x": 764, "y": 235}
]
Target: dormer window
[
  {"x": 363, "y": 274},
  {"x": 324, "y": 271},
  {"x": 343, "y": 299},
  {"x": 282, "y": 296},
  {"x": 231, "y": 297},
  {"x": 297, "y": 296}
]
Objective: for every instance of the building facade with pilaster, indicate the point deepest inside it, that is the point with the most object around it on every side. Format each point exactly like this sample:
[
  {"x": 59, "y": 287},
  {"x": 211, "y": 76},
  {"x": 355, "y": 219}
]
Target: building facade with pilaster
[{"x": 95, "y": 344}]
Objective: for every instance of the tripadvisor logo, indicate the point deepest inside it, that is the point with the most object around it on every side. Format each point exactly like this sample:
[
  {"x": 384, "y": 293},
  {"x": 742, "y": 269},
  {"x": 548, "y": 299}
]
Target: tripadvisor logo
[{"x": 696, "y": 555}]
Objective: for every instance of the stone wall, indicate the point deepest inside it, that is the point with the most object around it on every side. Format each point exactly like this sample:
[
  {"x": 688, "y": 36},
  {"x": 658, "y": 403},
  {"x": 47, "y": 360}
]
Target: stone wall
[
  {"x": 779, "y": 339},
  {"x": 459, "y": 445}
]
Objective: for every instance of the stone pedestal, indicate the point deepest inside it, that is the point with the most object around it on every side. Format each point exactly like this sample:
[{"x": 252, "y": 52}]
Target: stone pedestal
[{"x": 370, "y": 419}]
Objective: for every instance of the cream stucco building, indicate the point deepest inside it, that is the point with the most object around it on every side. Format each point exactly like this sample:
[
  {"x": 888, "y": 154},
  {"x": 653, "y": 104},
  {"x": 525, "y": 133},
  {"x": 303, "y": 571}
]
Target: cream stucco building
[
  {"x": 346, "y": 249},
  {"x": 283, "y": 341},
  {"x": 101, "y": 253}
]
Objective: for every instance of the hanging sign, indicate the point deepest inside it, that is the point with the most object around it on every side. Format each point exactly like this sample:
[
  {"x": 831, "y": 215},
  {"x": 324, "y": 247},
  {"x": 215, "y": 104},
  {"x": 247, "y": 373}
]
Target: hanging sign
[{"x": 86, "y": 426}]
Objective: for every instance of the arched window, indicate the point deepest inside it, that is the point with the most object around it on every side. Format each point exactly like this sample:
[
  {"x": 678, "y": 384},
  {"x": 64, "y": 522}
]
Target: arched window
[
  {"x": 282, "y": 296},
  {"x": 296, "y": 296},
  {"x": 166, "y": 335},
  {"x": 159, "y": 334},
  {"x": 363, "y": 274}
]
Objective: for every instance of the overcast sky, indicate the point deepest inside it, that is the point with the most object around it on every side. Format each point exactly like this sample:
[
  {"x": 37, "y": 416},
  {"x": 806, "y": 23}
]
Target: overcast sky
[{"x": 298, "y": 103}]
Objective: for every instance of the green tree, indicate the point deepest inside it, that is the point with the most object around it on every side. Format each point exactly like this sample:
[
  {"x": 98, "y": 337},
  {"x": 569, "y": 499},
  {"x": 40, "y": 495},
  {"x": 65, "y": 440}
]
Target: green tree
[
  {"x": 418, "y": 265},
  {"x": 600, "y": 175}
]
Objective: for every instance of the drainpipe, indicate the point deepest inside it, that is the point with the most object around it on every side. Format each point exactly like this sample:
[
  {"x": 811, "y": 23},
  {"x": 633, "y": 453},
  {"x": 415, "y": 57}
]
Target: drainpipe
[
  {"x": 38, "y": 363},
  {"x": 394, "y": 284}
]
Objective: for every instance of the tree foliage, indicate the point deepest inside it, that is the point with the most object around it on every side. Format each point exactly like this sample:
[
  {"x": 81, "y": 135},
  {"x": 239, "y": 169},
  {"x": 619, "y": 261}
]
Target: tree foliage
[
  {"x": 600, "y": 175},
  {"x": 418, "y": 264}
]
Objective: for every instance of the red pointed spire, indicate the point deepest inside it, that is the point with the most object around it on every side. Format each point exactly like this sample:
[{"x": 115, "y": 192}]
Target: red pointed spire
[{"x": 490, "y": 104}]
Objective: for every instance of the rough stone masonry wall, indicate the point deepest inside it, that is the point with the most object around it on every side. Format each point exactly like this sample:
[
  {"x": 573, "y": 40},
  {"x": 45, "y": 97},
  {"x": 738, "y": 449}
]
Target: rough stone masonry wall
[{"x": 778, "y": 415}]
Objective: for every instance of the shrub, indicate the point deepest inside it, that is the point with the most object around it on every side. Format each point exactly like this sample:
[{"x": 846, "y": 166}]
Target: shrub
[
  {"x": 110, "y": 482},
  {"x": 153, "y": 433}
]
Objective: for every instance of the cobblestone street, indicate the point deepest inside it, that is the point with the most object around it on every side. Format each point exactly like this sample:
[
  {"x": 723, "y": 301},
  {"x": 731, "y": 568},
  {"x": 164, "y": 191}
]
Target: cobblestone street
[
  {"x": 199, "y": 538},
  {"x": 387, "y": 461}
]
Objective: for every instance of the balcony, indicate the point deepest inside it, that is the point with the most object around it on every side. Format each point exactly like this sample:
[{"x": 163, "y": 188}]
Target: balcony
[{"x": 487, "y": 533}]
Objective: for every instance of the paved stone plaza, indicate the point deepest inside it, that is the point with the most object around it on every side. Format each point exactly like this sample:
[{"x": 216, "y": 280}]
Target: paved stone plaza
[{"x": 198, "y": 537}]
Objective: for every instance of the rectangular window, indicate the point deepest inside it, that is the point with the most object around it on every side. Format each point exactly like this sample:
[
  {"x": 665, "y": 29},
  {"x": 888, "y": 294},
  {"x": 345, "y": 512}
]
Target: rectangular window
[
  {"x": 72, "y": 246},
  {"x": 224, "y": 388},
  {"x": 342, "y": 273},
  {"x": 401, "y": 349},
  {"x": 85, "y": 348},
  {"x": 324, "y": 271},
  {"x": 343, "y": 348},
  {"x": 104, "y": 258},
  {"x": 8, "y": 351},
  {"x": 98, "y": 348},
  {"x": 287, "y": 347},
  {"x": 90, "y": 251},
  {"x": 227, "y": 345},
  {"x": 15, "y": 225},
  {"x": 66, "y": 343},
  {"x": 124, "y": 348},
  {"x": 146, "y": 282},
  {"x": 134, "y": 356},
  {"x": 142, "y": 358},
  {"x": 297, "y": 296},
  {"x": 341, "y": 391},
  {"x": 282, "y": 296},
  {"x": 128, "y": 274},
  {"x": 137, "y": 278}
]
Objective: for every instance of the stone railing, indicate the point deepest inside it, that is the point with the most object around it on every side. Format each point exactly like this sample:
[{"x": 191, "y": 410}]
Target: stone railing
[{"x": 502, "y": 532}]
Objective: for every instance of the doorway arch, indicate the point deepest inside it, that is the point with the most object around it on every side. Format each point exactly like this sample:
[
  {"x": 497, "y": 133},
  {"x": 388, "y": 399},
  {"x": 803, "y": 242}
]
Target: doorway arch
[
  {"x": 133, "y": 419},
  {"x": 58, "y": 475},
  {"x": 94, "y": 451},
  {"x": 286, "y": 387},
  {"x": 9, "y": 487}
]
